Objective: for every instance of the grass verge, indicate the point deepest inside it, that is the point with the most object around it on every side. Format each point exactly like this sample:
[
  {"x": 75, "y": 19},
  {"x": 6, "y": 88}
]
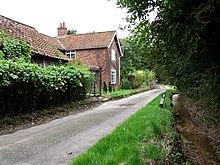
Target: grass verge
[
  {"x": 144, "y": 138},
  {"x": 121, "y": 93}
]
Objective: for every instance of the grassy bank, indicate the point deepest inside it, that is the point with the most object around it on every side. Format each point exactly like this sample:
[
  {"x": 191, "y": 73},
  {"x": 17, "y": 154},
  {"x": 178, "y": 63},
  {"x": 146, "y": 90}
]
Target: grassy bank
[{"x": 143, "y": 138}]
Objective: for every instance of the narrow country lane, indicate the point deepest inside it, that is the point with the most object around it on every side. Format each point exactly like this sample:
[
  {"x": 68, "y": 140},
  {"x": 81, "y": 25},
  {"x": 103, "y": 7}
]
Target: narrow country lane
[{"x": 59, "y": 141}]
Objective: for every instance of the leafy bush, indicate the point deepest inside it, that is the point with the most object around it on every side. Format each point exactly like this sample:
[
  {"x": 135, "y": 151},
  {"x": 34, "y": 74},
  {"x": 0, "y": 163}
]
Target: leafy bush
[
  {"x": 140, "y": 78},
  {"x": 109, "y": 86},
  {"x": 125, "y": 84},
  {"x": 25, "y": 86},
  {"x": 13, "y": 49},
  {"x": 150, "y": 75}
]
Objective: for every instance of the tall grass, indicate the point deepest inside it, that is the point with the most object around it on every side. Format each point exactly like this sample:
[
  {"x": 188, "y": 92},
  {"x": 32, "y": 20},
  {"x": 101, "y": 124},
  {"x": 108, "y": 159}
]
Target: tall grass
[{"x": 141, "y": 138}]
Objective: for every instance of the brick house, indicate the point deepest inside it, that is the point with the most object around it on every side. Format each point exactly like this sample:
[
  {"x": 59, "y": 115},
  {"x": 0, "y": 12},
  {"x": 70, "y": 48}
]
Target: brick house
[
  {"x": 43, "y": 52},
  {"x": 100, "y": 51}
]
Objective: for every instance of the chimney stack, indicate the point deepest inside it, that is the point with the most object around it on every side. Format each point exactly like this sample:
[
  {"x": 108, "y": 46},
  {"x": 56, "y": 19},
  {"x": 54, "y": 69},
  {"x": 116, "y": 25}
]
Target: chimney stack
[{"x": 62, "y": 30}]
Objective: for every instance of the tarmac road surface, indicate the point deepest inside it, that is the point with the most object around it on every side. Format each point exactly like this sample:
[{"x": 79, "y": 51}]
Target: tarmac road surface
[{"x": 59, "y": 141}]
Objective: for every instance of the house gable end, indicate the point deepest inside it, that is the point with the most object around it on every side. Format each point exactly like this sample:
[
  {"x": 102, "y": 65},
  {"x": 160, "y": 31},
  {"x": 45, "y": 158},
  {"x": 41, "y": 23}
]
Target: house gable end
[{"x": 115, "y": 38}]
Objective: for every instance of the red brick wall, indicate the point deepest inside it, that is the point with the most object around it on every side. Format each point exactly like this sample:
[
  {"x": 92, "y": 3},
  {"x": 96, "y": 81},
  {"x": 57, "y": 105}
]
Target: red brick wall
[
  {"x": 115, "y": 64},
  {"x": 62, "y": 30},
  {"x": 101, "y": 58},
  {"x": 95, "y": 58}
]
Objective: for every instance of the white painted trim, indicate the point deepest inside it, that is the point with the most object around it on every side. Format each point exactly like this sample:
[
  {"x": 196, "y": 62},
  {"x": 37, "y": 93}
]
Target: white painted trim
[
  {"x": 112, "y": 40},
  {"x": 115, "y": 82},
  {"x": 113, "y": 55},
  {"x": 119, "y": 70},
  {"x": 71, "y": 53},
  {"x": 119, "y": 45}
]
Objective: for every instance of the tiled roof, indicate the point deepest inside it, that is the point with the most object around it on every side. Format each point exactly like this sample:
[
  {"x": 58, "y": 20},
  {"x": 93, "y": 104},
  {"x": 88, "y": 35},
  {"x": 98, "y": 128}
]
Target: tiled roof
[
  {"x": 39, "y": 43},
  {"x": 88, "y": 40},
  {"x": 54, "y": 41}
]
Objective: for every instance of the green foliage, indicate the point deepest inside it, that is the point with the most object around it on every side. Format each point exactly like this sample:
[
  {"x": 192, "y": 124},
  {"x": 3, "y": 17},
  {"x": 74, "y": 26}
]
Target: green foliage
[
  {"x": 125, "y": 84},
  {"x": 139, "y": 78},
  {"x": 150, "y": 75},
  {"x": 134, "y": 66},
  {"x": 133, "y": 58},
  {"x": 105, "y": 89},
  {"x": 37, "y": 87},
  {"x": 181, "y": 44},
  {"x": 13, "y": 49},
  {"x": 72, "y": 31},
  {"x": 25, "y": 86},
  {"x": 122, "y": 93},
  {"x": 109, "y": 86}
]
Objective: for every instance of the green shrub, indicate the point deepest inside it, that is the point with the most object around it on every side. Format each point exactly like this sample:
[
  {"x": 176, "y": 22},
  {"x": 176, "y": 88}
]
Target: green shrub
[
  {"x": 13, "y": 49},
  {"x": 109, "y": 86},
  {"x": 140, "y": 78},
  {"x": 25, "y": 86},
  {"x": 125, "y": 84},
  {"x": 105, "y": 89}
]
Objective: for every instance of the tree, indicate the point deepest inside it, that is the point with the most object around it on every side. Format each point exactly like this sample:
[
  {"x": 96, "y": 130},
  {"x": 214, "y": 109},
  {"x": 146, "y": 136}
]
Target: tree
[
  {"x": 72, "y": 31},
  {"x": 181, "y": 43},
  {"x": 135, "y": 52}
]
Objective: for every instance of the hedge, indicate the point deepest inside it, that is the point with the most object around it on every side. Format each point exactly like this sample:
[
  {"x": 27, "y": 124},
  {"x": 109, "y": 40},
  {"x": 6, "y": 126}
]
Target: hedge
[{"x": 26, "y": 87}]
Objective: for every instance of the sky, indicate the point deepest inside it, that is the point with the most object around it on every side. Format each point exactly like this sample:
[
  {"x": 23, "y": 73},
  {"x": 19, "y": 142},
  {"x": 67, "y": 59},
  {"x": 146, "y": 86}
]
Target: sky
[{"x": 83, "y": 15}]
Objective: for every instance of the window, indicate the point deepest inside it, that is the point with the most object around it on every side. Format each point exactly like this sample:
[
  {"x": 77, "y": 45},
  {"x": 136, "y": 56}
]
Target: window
[
  {"x": 113, "y": 72},
  {"x": 113, "y": 55},
  {"x": 71, "y": 54}
]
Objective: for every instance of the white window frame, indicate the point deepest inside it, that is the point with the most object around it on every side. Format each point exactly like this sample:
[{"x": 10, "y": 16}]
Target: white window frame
[
  {"x": 113, "y": 76},
  {"x": 113, "y": 55},
  {"x": 71, "y": 54}
]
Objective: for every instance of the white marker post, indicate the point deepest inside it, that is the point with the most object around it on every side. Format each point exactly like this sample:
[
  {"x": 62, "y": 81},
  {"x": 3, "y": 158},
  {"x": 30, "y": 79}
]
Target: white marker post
[{"x": 162, "y": 100}]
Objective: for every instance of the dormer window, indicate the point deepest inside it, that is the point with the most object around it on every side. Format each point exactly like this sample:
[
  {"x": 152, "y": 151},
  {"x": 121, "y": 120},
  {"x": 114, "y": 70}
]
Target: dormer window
[{"x": 71, "y": 54}]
